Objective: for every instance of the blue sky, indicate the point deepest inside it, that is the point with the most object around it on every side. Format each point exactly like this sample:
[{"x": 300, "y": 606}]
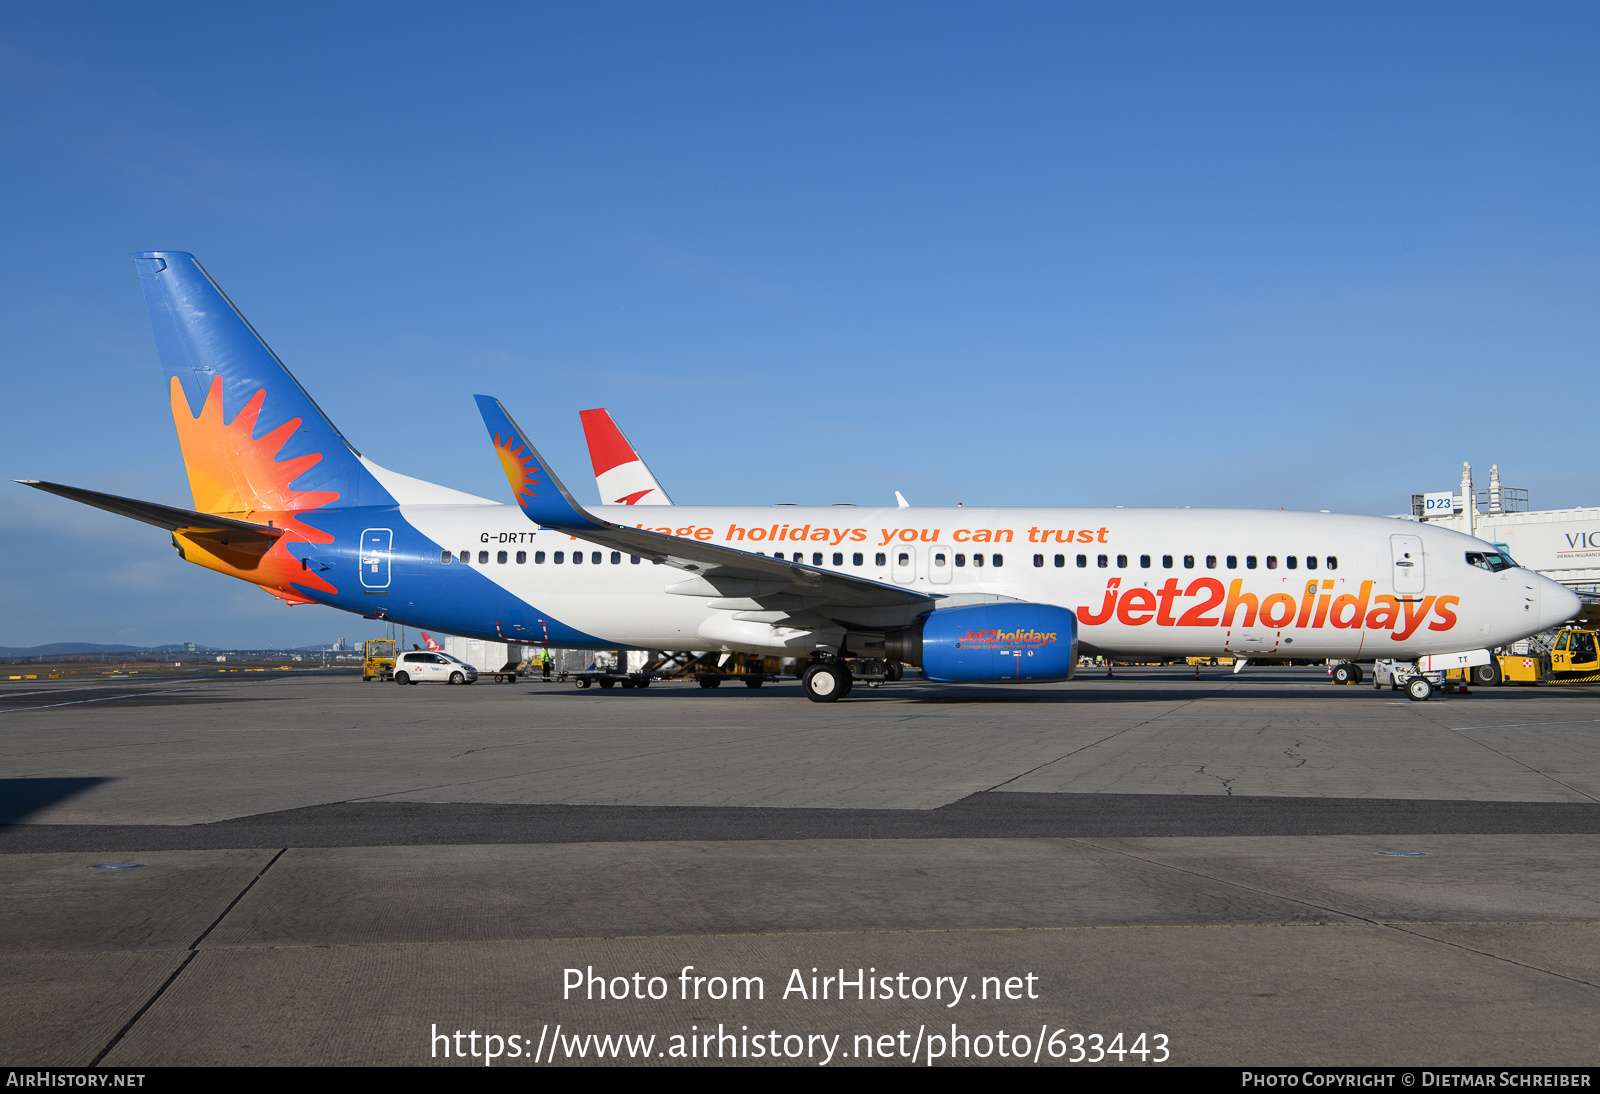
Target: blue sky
[{"x": 1262, "y": 255}]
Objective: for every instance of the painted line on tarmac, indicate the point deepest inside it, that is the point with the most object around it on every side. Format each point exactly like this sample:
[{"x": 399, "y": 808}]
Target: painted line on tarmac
[
  {"x": 108, "y": 698},
  {"x": 1525, "y": 725}
]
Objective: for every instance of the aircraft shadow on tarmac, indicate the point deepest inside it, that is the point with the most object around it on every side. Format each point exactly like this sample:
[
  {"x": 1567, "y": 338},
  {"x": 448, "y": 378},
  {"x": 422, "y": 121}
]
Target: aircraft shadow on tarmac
[{"x": 21, "y": 798}]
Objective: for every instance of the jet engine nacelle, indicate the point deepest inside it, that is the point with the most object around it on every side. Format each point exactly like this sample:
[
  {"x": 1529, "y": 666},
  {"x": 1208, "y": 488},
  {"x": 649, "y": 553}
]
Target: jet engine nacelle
[{"x": 992, "y": 643}]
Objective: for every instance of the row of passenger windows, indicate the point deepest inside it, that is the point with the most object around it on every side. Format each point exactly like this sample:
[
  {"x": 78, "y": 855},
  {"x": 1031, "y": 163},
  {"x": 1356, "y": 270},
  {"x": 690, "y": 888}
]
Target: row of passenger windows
[
  {"x": 902, "y": 558},
  {"x": 557, "y": 557},
  {"x": 1290, "y": 562},
  {"x": 858, "y": 558}
]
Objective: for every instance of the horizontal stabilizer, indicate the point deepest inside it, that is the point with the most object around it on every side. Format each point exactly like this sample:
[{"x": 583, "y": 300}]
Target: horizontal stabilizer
[{"x": 164, "y": 516}]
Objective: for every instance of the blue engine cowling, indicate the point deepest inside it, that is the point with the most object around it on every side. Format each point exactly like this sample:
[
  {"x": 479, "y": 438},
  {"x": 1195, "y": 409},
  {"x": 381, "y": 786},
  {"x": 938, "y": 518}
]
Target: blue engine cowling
[{"x": 1000, "y": 643}]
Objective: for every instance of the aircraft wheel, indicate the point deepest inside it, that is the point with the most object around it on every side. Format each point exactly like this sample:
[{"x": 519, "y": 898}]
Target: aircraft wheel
[
  {"x": 1344, "y": 674},
  {"x": 402, "y": 678},
  {"x": 1486, "y": 676},
  {"x": 825, "y": 683},
  {"x": 1360, "y": 676},
  {"x": 1419, "y": 690},
  {"x": 754, "y": 682}
]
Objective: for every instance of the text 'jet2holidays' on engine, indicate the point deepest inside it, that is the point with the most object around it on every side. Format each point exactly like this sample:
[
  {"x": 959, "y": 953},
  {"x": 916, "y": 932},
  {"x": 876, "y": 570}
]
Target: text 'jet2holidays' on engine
[{"x": 969, "y": 594}]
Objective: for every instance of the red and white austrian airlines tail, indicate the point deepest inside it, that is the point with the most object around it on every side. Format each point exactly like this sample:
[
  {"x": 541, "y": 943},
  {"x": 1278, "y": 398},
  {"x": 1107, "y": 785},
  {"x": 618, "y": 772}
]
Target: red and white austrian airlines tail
[
  {"x": 427, "y": 640},
  {"x": 620, "y": 474}
]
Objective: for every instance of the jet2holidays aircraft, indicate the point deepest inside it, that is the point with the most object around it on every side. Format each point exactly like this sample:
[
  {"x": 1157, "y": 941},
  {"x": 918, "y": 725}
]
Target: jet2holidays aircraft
[{"x": 969, "y": 594}]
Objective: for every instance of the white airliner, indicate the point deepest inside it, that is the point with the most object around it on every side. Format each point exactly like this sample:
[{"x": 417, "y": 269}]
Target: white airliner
[{"x": 969, "y": 594}]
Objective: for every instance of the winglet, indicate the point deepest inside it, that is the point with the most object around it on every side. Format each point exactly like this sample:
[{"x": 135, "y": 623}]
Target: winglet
[
  {"x": 901, "y": 499},
  {"x": 535, "y": 486}
]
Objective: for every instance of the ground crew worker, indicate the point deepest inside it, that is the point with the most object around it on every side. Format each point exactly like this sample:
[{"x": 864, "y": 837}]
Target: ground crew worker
[{"x": 544, "y": 662}]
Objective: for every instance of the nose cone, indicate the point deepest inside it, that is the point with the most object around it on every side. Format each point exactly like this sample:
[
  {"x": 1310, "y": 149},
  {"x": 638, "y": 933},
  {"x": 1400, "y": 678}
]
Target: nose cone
[{"x": 1557, "y": 603}]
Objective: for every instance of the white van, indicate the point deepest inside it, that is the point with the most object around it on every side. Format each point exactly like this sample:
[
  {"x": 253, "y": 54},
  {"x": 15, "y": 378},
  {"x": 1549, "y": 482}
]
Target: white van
[{"x": 423, "y": 666}]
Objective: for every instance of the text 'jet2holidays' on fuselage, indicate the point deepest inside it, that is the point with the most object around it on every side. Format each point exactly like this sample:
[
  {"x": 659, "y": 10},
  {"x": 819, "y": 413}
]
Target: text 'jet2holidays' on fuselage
[{"x": 969, "y": 594}]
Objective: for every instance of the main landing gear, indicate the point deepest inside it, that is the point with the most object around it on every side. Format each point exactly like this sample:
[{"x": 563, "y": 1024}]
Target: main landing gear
[
  {"x": 826, "y": 682},
  {"x": 1347, "y": 673}
]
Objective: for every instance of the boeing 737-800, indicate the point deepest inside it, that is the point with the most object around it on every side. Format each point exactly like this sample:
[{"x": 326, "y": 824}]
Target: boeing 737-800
[{"x": 969, "y": 594}]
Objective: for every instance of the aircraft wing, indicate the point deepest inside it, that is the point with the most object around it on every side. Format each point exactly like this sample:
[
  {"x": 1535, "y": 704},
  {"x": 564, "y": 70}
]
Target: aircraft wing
[
  {"x": 718, "y": 571},
  {"x": 186, "y": 521}
]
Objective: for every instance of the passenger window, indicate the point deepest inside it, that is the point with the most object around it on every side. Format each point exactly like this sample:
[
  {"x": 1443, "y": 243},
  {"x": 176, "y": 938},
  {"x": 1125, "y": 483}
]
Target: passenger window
[
  {"x": 577, "y": 558},
  {"x": 1061, "y": 560},
  {"x": 1290, "y": 562},
  {"x": 500, "y": 558},
  {"x": 1333, "y": 562},
  {"x": 616, "y": 558},
  {"x": 857, "y": 559},
  {"x": 538, "y": 558},
  {"x": 1233, "y": 562},
  {"x": 961, "y": 560},
  {"x": 483, "y": 558},
  {"x": 1083, "y": 560},
  {"x": 560, "y": 557},
  {"x": 1311, "y": 562},
  {"x": 446, "y": 557},
  {"x": 1102, "y": 561},
  {"x": 1272, "y": 562},
  {"x": 1166, "y": 561},
  {"x": 838, "y": 558},
  {"x": 977, "y": 560},
  {"x": 1188, "y": 562},
  {"x": 880, "y": 559},
  {"x": 633, "y": 560},
  {"x": 904, "y": 559},
  {"x": 997, "y": 560},
  {"x": 1211, "y": 562},
  {"x": 816, "y": 558},
  {"x": 1038, "y": 560},
  {"x": 1249, "y": 562},
  {"x": 466, "y": 556},
  {"x": 522, "y": 558},
  {"x": 1144, "y": 562},
  {"x": 595, "y": 558},
  {"x": 799, "y": 556},
  {"x": 1122, "y": 562}
]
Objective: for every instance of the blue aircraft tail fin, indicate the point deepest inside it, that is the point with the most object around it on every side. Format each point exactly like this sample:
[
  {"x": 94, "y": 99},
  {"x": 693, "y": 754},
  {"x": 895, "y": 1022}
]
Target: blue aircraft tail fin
[{"x": 253, "y": 440}]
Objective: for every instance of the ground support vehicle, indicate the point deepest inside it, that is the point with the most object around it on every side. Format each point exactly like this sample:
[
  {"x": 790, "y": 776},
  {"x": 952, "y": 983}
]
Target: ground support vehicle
[
  {"x": 606, "y": 678},
  {"x": 1571, "y": 656},
  {"x": 427, "y": 666},
  {"x": 501, "y": 660},
  {"x": 749, "y": 679},
  {"x": 1395, "y": 675},
  {"x": 377, "y": 659}
]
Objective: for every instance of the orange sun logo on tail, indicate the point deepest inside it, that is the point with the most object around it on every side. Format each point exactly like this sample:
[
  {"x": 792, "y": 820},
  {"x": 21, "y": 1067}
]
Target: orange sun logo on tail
[
  {"x": 519, "y": 465},
  {"x": 235, "y": 474}
]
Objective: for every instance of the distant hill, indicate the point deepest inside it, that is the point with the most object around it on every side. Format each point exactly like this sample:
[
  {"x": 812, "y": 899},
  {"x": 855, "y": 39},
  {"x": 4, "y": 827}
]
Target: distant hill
[
  {"x": 62, "y": 649},
  {"x": 66, "y": 649}
]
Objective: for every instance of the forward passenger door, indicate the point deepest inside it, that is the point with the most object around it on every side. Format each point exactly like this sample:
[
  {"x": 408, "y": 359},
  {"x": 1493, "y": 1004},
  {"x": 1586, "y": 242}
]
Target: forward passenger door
[{"x": 1409, "y": 577}]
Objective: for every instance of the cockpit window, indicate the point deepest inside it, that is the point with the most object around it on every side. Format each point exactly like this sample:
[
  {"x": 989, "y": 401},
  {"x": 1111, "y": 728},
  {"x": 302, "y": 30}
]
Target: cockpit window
[{"x": 1492, "y": 561}]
